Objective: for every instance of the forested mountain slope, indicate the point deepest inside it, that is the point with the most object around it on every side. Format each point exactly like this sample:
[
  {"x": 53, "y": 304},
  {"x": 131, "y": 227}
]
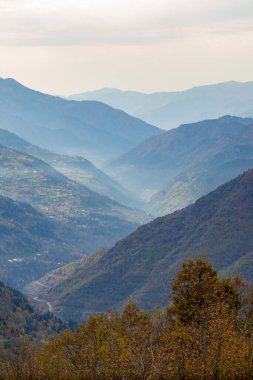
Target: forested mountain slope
[
  {"x": 19, "y": 319},
  {"x": 32, "y": 244},
  {"x": 140, "y": 267}
]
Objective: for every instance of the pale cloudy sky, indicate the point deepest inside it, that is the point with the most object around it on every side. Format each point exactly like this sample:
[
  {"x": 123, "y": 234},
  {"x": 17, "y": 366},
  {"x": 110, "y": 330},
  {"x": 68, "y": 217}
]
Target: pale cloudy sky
[{"x": 69, "y": 46}]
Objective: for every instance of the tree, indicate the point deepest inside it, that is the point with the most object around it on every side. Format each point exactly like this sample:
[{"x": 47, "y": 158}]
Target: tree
[{"x": 196, "y": 288}]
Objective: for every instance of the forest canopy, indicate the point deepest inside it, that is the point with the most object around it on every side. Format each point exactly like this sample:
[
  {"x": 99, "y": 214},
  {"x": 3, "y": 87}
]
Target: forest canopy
[{"x": 205, "y": 332}]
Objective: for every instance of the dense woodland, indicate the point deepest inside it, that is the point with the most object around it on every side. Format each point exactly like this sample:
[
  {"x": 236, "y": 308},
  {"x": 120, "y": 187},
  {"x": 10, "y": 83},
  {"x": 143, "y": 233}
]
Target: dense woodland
[
  {"x": 206, "y": 332},
  {"x": 18, "y": 318}
]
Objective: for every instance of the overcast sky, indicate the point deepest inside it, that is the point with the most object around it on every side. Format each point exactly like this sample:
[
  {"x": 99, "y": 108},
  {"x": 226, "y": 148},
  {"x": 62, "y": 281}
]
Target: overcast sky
[{"x": 69, "y": 46}]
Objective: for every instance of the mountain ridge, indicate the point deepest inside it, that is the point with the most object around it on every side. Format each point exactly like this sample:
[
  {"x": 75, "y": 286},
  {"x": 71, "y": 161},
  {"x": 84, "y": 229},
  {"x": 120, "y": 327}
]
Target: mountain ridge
[
  {"x": 173, "y": 170},
  {"x": 77, "y": 168},
  {"x": 164, "y": 109},
  {"x": 90, "y": 129}
]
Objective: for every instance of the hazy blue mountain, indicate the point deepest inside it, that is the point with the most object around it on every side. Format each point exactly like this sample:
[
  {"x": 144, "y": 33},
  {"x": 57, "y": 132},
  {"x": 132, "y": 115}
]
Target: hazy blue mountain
[
  {"x": 76, "y": 168},
  {"x": 90, "y": 129},
  {"x": 189, "y": 186},
  {"x": 170, "y": 109},
  {"x": 176, "y": 168},
  {"x": 94, "y": 221},
  {"x": 140, "y": 267}
]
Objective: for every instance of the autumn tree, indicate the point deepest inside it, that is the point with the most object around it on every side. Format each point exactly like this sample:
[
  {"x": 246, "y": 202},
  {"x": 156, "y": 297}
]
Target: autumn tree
[
  {"x": 108, "y": 346},
  {"x": 206, "y": 333},
  {"x": 196, "y": 288}
]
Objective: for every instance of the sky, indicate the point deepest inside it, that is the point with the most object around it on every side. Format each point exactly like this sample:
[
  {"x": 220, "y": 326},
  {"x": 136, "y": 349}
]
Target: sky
[{"x": 69, "y": 46}]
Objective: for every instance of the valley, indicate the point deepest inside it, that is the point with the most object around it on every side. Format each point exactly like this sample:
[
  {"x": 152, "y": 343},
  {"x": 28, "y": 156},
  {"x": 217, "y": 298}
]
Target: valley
[
  {"x": 139, "y": 268},
  {"x": 126, "y": 190},
  {"x": 79, "y": 239},
  {"x": 76, "y": 168},
  {"x": 173, "y": 170},
  {"x": 92, "y": 211}
]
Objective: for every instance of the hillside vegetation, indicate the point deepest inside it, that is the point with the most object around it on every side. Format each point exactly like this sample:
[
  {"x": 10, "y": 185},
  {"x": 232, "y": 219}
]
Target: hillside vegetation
[
  {"x": 18, "y": 319},
  {"x": 204, "y": 333},
  {"x": 94, "y": 221},
  {"x": 140, "y": 267},
  {"x": 76, "y": 168},
  {"x": 31, "y": 244}
]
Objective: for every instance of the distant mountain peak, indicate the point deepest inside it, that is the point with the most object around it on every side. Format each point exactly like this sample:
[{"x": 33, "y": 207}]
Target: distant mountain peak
[
  {"x": 169, "y": 109},
  {"x": 10, "y": 81}
]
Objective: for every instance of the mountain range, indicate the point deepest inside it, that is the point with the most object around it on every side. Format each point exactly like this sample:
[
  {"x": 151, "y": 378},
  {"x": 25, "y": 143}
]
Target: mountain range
[
  {"x": 57, "y": 208},
  {"x": 140, "y": 267},
  {"x": 90, "y": 129},
  {"x": 170, "y": 109},
  {"x": 174, "y": 169},
  {"x": 158, "y": 172}
]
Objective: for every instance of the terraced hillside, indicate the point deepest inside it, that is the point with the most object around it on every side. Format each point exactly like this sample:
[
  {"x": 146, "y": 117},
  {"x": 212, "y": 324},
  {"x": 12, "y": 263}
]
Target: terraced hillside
[
  {"x": 76, "y": 168},
  {"x": 96, "y": 221}
]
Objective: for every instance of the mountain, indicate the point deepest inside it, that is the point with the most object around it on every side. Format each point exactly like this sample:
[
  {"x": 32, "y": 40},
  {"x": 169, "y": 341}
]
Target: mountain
[
  {"x": 242, "y": 266},
  {"x": 169, "y": 109},
  {"x": 77, "y": 168},
  {"x": 31, "y": 244},
  {"x": 173, "y": 170},
  {"x": 187, "y": 187},
  {"x": 140, "y": 267},
  {"x": 94, "y": 221},
  {"x": 18, "y": 319},
  {"x": 90, "y": 129}
]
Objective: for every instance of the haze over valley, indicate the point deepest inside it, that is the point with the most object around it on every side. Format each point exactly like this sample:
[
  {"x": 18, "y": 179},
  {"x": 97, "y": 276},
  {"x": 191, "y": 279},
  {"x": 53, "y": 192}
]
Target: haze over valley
[
  {"x": 143, "y": 172},
  {"x": 126, "y": 190}
]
